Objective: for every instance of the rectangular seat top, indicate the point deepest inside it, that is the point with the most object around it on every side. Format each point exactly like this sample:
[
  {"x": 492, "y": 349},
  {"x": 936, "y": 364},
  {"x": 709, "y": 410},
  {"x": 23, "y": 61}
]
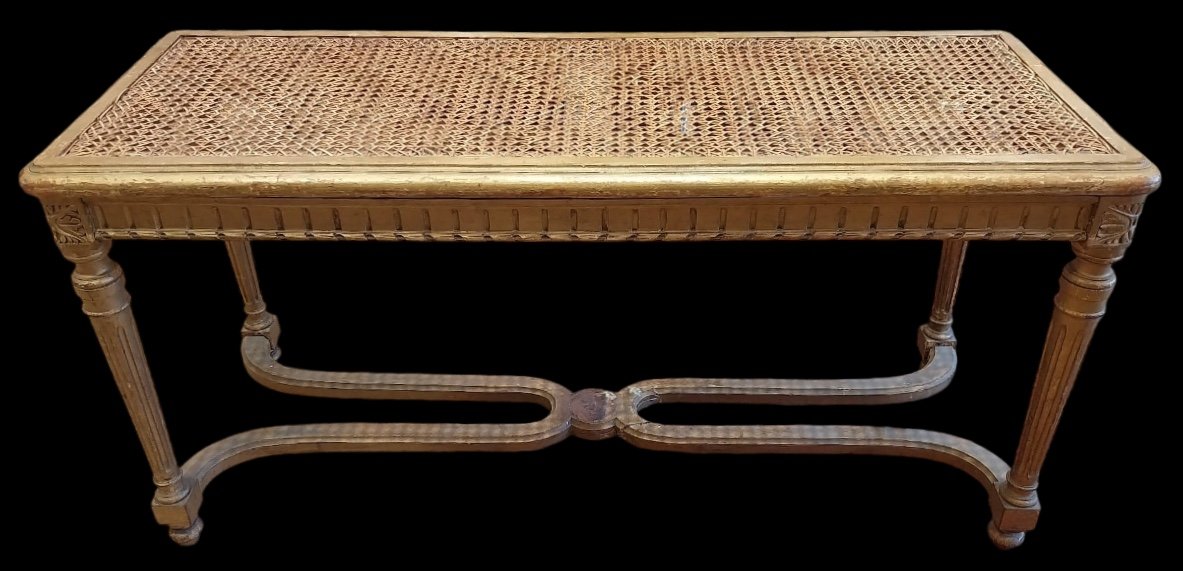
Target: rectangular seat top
[{"x": 455, "y": 115}]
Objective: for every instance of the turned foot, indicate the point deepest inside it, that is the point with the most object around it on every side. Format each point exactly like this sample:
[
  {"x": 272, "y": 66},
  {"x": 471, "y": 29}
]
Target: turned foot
[
  {"x": 189, "y": 535},
  {"x": 1001, "y": 539}
]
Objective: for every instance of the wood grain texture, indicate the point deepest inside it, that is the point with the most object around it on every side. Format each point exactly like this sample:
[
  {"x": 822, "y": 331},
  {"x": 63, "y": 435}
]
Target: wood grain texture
[{"x": 1014, "y": 156}]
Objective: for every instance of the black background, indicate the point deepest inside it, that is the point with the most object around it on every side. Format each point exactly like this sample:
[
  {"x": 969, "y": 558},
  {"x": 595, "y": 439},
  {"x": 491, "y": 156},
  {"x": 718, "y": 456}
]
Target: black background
[{"x": 585, "y": 315}]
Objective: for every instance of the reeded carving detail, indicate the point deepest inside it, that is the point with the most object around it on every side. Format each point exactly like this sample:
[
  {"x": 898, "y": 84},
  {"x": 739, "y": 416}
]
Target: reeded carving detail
[
  {"x": 67, "y": 223},
  {"x": 1085, "y": 285},
  {"x": 1118, "y": 223},
  {"x": 595, "y": 219},
  {"x": 98, "y": 281}
]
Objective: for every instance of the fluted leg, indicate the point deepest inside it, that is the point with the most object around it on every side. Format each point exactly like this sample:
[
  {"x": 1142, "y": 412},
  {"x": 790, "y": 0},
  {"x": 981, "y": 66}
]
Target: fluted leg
[
  {"x": 939, "y": 329},
  {"x": 99, "y": 282},
  {"x": 258, "y": 320},
  {"x": 1085, "y": 285}
]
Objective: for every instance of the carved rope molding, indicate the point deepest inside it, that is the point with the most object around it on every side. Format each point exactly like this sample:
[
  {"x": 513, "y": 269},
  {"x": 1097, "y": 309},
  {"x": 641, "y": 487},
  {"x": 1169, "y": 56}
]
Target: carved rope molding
[{"x": 426, "y": 220}]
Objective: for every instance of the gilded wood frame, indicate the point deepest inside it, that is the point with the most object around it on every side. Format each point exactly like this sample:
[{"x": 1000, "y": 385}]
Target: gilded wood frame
[{"x": 1092, "y": 201}]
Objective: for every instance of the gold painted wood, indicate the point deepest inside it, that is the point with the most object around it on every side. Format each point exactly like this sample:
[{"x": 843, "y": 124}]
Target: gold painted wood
[
  {"x": 939, "y": 329},
  {"x": 425, "y": 136},
  {"x": 99, "y": 282},
  {"x": 1085, "y": 286}
]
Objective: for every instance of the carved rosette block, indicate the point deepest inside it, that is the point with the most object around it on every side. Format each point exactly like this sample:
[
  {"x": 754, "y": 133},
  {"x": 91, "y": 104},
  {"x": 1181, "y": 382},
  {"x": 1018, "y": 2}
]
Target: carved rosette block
[
  {"x": 1112, "y": 229},
  {"x": 68, "y": 222},
  {"x": 1117, "y": 223}
]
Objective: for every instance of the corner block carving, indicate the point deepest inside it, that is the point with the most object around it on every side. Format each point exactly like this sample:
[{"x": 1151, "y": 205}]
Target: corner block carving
[
  {"x": 1117, "y": 224},
  {"x": 68, "y": 223}
]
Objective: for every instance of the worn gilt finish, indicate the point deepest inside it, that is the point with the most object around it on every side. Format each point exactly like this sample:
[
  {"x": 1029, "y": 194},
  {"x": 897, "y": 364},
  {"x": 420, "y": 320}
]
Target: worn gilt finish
[{"x": 369, "y": 136}]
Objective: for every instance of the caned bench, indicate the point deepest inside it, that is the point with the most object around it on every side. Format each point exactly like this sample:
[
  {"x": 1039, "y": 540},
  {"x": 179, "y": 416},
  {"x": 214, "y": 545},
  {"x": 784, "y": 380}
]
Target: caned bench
[{"x": 371, "y": 136}]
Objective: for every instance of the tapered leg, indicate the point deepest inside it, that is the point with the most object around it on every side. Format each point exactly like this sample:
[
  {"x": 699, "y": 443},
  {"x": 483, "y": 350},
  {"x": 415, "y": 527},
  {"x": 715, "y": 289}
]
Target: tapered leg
[
  {"x": 939, "y": 329},
  {"x": 99, "y": 282},
  {"x": 258, "y": 320},
  {"x": 1085, "y": 285}
]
